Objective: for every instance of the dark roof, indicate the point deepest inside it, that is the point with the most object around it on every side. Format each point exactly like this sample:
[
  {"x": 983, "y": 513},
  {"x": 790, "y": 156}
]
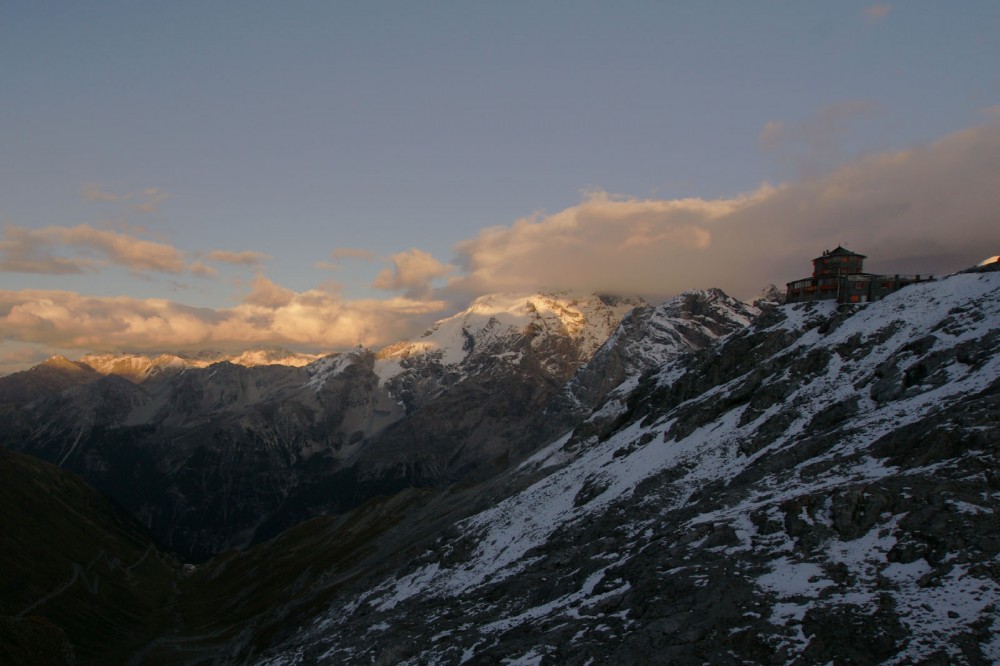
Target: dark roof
[{"x": 840, "y": 252}]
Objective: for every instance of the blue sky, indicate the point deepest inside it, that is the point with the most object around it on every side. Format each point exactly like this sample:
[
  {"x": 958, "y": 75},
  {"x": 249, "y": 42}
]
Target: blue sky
[{"x": 367, "y": 167}]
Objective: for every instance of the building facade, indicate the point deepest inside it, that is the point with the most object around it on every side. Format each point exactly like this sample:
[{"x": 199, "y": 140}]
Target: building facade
[{"x": 839, "y": 275}]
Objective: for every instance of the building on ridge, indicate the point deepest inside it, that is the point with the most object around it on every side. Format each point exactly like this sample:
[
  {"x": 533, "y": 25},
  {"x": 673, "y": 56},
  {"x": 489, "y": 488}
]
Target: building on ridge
[{"x": 838, "y": 275}]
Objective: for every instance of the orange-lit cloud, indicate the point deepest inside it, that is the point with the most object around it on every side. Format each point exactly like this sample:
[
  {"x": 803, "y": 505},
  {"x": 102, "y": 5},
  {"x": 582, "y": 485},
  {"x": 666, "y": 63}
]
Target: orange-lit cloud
[
  {"x": 412, "y": 272},
  {"x": 202, "y": 270},
  {"x": 353, "y": 253},
  {"x": 344, "y": 253},
  {"x": 606, "y": 243},
  {"x": 931, "y": 209},
  {"x": 314, "y": 319},
  {"x": 60, "y": 250},
  {"x": 245, "y": 258},
  {"x": 266, "y": 293}
]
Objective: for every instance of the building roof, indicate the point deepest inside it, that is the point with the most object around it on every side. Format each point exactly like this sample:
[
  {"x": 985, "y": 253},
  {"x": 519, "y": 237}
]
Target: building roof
[{"x": 840, "y": 251}]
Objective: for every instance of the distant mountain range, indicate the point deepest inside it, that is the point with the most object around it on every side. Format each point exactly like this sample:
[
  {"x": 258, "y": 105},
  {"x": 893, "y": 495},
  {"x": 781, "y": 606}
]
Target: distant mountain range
[
  {"x": 538, "y": 479},
  {"x": 222, "y": 455}
]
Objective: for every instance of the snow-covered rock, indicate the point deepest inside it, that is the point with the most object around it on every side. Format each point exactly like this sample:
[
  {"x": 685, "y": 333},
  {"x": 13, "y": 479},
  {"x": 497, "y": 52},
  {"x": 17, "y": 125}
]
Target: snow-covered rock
[
  {"x": 816, "y": 488},
  {"x": 140, "y": 367}
]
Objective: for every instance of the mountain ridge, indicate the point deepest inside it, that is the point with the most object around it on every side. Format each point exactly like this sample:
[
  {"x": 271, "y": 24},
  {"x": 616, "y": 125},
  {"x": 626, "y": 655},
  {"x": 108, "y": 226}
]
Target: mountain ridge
[
  {"x": 227, "y": 455},
  {"x": 817, "y": 485},
  {"x": 828, "y": 468}
]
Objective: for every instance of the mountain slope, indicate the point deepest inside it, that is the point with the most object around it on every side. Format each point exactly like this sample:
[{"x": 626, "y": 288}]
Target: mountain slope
[
  {"x": 79, "y": 579},
  {"x": 54, "y": 375},
  {"x": 758, "y": 501},
  {"x": 648, "y": 337}
]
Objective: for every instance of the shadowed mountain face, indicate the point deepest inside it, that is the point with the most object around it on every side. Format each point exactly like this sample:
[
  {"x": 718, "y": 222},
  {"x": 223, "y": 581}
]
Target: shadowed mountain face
[
  {"x": 80, "y": 578},
  {"x": 56, "y": 374},
  {"x": 816, "y": 486}
]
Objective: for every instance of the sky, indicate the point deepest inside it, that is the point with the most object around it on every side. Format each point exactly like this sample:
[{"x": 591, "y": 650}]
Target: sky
[{"x": 318, "y": 175}]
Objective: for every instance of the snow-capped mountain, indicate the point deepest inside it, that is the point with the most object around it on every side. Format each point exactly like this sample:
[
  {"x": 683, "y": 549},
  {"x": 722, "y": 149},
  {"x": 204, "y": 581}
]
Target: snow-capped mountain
[
  {"x": 560, "y": 330},
  {"x": 50, "y": 377},
  {"x": 650, "y": 336},
  {"x": 818, "y": 485},
  {"x": 817, "y": 488},
  {"x": 462, "y": 401},
  {"x": 138, "y": 367}
]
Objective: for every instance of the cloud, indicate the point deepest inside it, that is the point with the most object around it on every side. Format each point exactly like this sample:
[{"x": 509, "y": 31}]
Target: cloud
[
  {"x": 412, "y": 273},
  {"x": 15, "y": 356},
  {"x": 344, "y": 253},
  {"x": 94, "y": 192},
  {"x": 151, "y": 200},
  {"x": 245, "y": 258},
  {"x": 201, "y": 270},
  {"x": 931, "y": 209},
  {"x": 313, "y": 319},
  {"x": 353, "y": 253},
  {"x": 606, "y": 243},
  {"x": 266, "y": 293},
  {"x": 874, "y": 13},
  {"x": 60, "y": 250},
  {"x": 148, "y": 200},
  {"x": 815, "y": 145},
  {"x": 771, "y": 135}
]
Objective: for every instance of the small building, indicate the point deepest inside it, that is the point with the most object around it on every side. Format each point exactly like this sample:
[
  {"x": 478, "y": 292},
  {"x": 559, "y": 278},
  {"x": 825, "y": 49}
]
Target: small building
[{"x": 839, "y": 275}]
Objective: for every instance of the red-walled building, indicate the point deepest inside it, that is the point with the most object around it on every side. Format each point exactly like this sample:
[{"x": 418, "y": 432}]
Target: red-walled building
[{"x": 838, "y": 275}]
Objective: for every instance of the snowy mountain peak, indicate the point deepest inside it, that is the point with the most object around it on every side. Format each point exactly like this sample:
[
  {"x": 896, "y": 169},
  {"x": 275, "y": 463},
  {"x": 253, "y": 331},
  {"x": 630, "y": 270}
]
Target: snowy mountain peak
[
  {"x": 649, "y": 336},
  {"x": 492, "y": 323},
  {"x": 61, "y": 363},
  {"x": 769, "y": 296},
  {"x": 139, "y": 367}
]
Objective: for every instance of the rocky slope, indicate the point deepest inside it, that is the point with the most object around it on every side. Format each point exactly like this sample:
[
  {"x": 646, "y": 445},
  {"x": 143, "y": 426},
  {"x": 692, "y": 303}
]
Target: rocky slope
[
  {"x": 648, "y": 337},
  {"x": 818, "y": 488}
]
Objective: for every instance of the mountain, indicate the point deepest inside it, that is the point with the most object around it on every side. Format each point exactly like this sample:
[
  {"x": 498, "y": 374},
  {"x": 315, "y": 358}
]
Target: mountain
[
  {"x": 228, "y": 455},
  {"x": 80, "y": 580},
  {"x": 139, "y": 368},
  {"x": 54, "y": 375},
  {"x": 818, "y": 487},
  {"x": 650, "y": 336}
]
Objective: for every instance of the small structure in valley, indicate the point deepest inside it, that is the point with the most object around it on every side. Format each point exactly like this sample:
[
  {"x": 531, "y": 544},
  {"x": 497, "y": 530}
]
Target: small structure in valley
[{"x": 838, "y": 275}]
